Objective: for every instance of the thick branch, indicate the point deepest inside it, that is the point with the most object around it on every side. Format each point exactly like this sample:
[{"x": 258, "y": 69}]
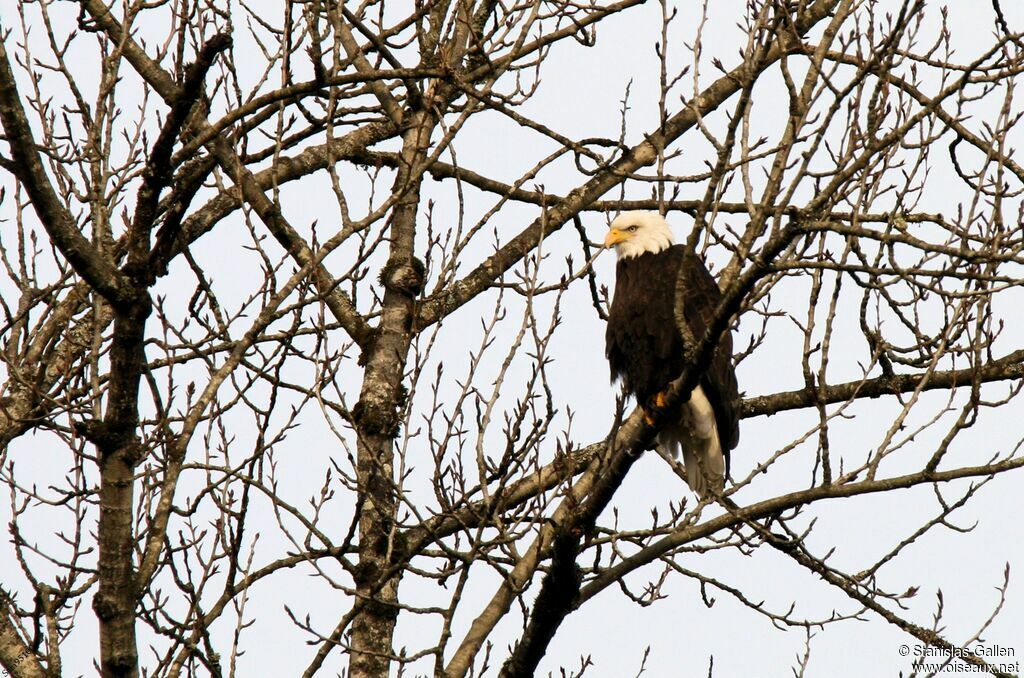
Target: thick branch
[
  {"x": 158, "y": 171},
  {"x": 560, "y": 587},
  {"x": 1007, "y": 367},
  {"x": 339, "y": 304},
  {"x": 645, "y": 153},
  {"x": 17, "y": 658},
  {"x": 763, "y": 509},
  {"x": 87, "y": 261}
]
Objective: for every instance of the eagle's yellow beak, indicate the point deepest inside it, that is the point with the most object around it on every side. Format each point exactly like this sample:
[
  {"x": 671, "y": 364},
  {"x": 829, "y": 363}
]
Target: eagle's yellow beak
[{"x": 614, "y": 237}]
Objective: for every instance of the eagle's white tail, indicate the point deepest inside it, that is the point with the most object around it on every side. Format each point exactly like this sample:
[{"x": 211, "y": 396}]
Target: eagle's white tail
[{"x": 696, "y": 436}]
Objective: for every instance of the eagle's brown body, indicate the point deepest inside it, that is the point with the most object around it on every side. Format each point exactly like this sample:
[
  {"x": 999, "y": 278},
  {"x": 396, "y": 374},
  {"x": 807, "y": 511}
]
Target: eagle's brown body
[{"x": 644, "y": 346}]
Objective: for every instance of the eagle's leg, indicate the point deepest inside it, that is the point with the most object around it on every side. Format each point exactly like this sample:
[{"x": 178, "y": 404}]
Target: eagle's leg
[{"x": 657, "y": 404}]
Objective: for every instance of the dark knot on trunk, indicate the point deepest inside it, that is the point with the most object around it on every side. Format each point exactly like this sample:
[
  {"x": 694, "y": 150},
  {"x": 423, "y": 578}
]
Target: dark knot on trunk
[{"x": 406, "y": 277}]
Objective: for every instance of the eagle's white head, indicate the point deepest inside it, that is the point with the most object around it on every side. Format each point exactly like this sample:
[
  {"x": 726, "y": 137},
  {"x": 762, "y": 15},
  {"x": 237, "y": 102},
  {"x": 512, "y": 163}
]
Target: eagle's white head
[{"x": 634, "y": 233}]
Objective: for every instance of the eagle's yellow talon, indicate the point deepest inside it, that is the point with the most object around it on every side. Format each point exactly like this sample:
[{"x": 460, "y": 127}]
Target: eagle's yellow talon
[
  {"x": 648, "y": 418},
  {"x": 659, "y": 400}
]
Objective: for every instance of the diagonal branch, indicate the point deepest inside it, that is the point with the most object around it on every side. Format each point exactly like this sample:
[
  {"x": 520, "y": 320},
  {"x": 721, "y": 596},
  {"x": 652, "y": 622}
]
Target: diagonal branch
[
  {"x": 763, "y": 509},
  {"x": 335, "y": 299},
  {"x": 17, "y": 658},
  {"x": 87, "y": 261},
  {"x": 797, "y": 550},
  {"x": 158, "y": 172},
  {"x": 439, "y": 305},
  {"x": 340, "y": 22}
]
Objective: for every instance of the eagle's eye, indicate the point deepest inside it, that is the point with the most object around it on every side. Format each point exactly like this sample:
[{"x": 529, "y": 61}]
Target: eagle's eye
[{"x": 632, "y": 228}]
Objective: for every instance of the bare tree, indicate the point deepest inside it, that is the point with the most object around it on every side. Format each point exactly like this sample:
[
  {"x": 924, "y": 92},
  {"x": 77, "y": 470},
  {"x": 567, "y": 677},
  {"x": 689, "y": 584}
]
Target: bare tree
[{"x": 276, "y": 328}]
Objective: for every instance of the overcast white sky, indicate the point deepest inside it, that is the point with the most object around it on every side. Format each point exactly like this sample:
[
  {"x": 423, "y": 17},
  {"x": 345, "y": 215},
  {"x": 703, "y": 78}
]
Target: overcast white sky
[{"x": 580, "y": 96}]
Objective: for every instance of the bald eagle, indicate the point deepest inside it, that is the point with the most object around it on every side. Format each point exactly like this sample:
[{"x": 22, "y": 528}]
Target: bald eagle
[{"x": 644, "y": 345}]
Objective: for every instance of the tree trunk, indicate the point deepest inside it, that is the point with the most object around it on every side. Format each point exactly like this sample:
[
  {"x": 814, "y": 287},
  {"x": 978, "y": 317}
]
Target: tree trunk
[{"x": 378, "y": 416}]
